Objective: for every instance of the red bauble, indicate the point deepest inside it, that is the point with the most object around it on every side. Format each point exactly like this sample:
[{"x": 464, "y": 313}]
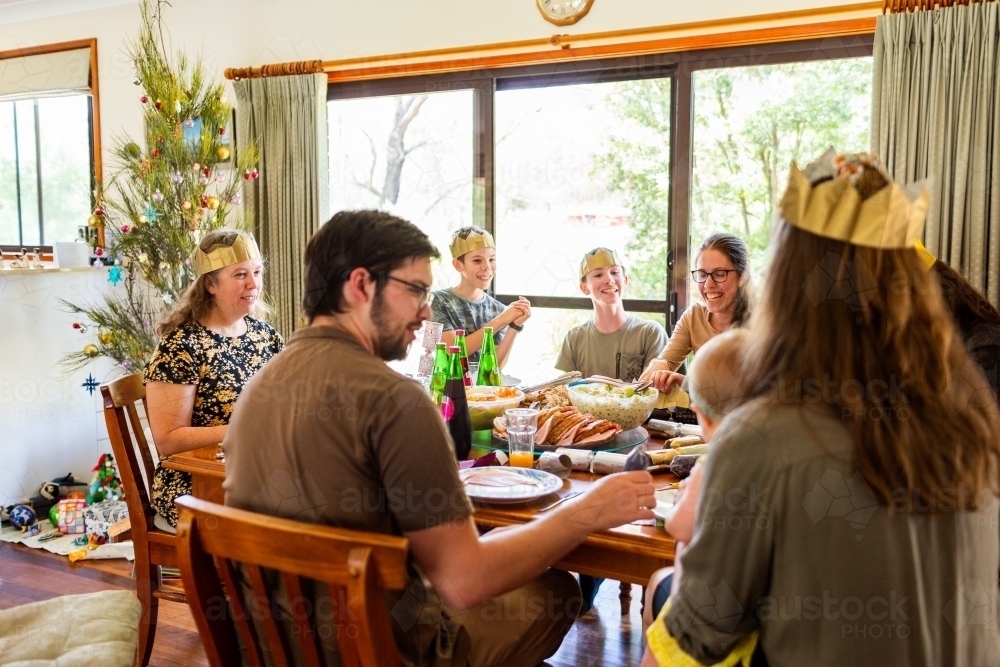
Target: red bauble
[
  {"x": 254, "y": 174},
  {"x": 159, "y": 140},
  {"x": 143, "y": 99},
  {"x": 222, "y": 130},
  {"x": 204, "y": 201},
  {"x": 99, "y": 212},
  {"x": 155, "y": 153},
  {"x": 246, "y": 175},
  {"x": 158, "y": 104},
  {"x": 76, "y": 325}
]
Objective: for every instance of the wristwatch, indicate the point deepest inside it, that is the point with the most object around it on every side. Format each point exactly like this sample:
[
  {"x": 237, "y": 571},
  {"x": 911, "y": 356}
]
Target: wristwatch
[{"x": 516, "y": 327}]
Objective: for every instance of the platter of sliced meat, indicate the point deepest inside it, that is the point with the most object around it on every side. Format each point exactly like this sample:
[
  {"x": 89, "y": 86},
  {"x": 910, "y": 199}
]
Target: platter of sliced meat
[{"x": 566, "y": 426}]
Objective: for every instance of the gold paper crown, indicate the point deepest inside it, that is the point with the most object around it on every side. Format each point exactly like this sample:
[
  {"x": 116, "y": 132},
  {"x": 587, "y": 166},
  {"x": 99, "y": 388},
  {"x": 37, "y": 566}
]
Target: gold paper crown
[
  {"x": 221, "y": 256},
  {"x": 925, "y": 256},
  {"x": 598, "y": 258},
  {"x": 824, "y": 200},
  {"x": 474, "y": 240}
]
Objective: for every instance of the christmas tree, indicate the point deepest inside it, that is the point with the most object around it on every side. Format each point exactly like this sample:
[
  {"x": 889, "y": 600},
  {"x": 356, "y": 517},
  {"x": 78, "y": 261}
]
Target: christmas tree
[{"x": 161, "y": 199}]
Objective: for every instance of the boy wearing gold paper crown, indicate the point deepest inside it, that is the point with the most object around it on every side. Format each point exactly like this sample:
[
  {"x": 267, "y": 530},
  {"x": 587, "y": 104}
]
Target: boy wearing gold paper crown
[
  {"x": 614, "y": 343},
  {"x": 468, "y": 306}
]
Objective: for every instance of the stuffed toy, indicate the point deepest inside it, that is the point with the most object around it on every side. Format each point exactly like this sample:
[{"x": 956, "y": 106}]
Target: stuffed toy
[{"x": 106, "y": 485}]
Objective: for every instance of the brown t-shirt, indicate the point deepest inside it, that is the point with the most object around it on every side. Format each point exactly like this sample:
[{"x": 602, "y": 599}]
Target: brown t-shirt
[{"x": 327, "y": 433}]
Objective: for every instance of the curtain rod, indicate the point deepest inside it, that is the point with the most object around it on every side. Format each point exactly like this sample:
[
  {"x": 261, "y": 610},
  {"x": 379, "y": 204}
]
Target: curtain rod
[
  {"x": 901, "y": 6},
  {"x": 280, "y": 69}
]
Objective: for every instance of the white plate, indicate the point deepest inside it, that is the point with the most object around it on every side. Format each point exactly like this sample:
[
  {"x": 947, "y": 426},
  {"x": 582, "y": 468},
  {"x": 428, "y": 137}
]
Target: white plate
[
  {"x": 546, "y": 483},
  {"x": 664, "y": 502}
]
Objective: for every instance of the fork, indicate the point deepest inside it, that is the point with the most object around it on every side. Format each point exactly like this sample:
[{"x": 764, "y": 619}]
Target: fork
[{"x": 639, "y": 385}]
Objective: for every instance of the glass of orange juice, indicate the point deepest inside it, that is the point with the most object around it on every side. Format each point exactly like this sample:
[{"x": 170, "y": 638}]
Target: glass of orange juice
[{"x": 522, "y": 424}]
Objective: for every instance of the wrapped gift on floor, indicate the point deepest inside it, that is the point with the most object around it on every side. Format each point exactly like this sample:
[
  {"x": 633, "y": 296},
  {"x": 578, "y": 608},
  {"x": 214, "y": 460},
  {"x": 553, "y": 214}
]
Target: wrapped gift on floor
[
  {"x": 100, "y": 516},
  {"x": 71, "y": 520}
]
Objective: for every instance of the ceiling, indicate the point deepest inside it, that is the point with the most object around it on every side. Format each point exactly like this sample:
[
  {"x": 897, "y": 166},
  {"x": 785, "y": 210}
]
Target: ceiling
[{"x": 14, "y": 11}]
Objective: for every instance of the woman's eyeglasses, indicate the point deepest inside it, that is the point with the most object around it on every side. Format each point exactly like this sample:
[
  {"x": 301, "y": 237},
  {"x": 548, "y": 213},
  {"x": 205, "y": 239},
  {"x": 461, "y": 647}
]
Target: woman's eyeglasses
[
  {"x": 422, "y": 292},
  {"x": 719, "y": 275}
]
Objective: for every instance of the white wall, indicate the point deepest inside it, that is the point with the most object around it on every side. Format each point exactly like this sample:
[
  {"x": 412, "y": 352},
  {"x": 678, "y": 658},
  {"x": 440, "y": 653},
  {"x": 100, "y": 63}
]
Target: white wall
[{"x": 53, "y": 426}]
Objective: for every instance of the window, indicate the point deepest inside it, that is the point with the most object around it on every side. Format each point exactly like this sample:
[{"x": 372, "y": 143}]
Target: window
[
  {"x": 45, "y": 169},
  {"x": 646, "y": 155},
  {"x": 49, "y": 142}
]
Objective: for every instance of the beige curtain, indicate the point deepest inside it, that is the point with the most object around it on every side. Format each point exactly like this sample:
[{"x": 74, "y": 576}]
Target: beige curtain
[
  {"x": 286, "y": 118},
  {"x": 936, "y": 113}
]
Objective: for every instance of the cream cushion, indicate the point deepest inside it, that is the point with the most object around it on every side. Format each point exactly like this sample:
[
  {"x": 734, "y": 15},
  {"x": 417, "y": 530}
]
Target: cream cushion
[{"x": 92, "y": 629}]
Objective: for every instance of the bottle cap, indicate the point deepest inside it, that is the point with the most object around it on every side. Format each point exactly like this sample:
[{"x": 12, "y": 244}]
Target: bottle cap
[
  {"x": 442, "y": 345},
  {"x": 453, "y": 349},
  {"x": 459, "y": 332}
]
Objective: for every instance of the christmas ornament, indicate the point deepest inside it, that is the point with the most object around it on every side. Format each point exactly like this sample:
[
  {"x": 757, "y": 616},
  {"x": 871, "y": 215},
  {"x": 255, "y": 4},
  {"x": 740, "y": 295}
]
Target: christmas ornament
[
  {"x": 222, "y": 152},
  {"x": 104, "y": 337},
  {"x": 77, "y": 325},
  {"x": 196, "y": 166},
  {"x": 136, "y": 81},
  {"x": 222, "y": 131},
  {"x": 99, "y": 252},
  {"x": 90, "y": 384},
  {"x": 157, "y": 197},
  {"x": 90, "y": 350},
  {"x": 186, "y": 205},
  {"x": 158, "y": 104},
  {"x": 143, "y": 99},
  {"x": 114, "y": 277},
  {"x": 236, "y": 199},
  {"x": 204, "y": 201},
  {"x": 98, "y": 264},
  {"x": 125, "y": 229},
  {"x": 54, "y": 515},
  {"x": 93, "y": 221},
  {"x": 206, "y": 171},
  {"x": 203, "y": 180},
  {"x": 213, "y": 203},
  {"x": 151, "y": 213},
  {"x": 154, "y": 153},
  {"x": 99, "y": 212},
  {"x": 159, "y": 140},
  {"x": 176, "y": 178}
]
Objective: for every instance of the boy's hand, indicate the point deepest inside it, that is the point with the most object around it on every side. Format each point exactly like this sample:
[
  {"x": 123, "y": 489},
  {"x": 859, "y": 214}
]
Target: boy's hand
[
  {"x": 510, "y": 313},
  {"x": 525, "y": 307}
]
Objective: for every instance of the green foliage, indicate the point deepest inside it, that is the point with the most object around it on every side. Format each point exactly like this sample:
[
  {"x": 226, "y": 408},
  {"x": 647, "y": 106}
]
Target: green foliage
[
  {"x": 163, "y": 198},
  {"x": 749, "y": 124}
]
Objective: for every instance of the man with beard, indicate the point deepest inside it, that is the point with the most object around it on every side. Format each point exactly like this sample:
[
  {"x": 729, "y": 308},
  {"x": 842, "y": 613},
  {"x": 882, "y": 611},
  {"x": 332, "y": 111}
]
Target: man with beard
[{"x": 327, "y": 433}]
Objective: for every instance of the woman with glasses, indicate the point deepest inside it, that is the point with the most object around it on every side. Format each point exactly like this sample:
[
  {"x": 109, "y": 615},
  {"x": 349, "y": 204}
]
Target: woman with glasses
[
  {"x": 722, "y": 274},
  {"x": 468, "y": 306}
]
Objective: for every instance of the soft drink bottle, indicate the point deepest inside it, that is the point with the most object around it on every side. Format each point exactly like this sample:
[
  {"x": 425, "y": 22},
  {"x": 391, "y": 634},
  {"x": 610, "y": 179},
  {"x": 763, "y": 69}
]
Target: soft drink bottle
[
  {"x": 455, "y": 406},
  {"x": 440, "y": 374},
  {"x": 460, "y": 344},
  {"x": 489, "y": 369}
]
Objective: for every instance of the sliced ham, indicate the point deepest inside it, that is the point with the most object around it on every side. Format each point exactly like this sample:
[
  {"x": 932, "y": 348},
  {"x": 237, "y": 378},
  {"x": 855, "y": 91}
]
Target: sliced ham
[
  {"x": 598, "y": 437},
  {"x": 543, "y": 432},
  {"x": 569, "y": 435}
]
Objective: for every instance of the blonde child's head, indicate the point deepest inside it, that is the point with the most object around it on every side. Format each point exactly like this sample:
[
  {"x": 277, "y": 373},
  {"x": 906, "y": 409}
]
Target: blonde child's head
[{"x": 715, "y": 379}]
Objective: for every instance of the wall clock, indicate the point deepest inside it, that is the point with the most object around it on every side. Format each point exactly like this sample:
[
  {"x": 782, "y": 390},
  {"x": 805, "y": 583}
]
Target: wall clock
[{"x": 563, "y": 12}]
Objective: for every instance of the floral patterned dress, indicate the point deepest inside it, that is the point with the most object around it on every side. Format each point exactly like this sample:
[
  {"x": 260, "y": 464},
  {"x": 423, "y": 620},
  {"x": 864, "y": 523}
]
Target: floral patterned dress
[{"x": 220, "y": 366}]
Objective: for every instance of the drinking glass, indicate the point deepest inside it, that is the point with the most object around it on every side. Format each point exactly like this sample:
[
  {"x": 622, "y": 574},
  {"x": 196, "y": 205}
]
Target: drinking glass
[
  {"x": 474, "y": 371},
  {"x": 522, "y": 424}
]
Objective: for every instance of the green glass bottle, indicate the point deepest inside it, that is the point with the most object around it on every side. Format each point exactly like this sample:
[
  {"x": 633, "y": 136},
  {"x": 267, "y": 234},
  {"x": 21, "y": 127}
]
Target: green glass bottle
[
  {"x": 440, "y": 374},
  {"x": 460, "y": 344},
  {"x": 489, "y": 369}
]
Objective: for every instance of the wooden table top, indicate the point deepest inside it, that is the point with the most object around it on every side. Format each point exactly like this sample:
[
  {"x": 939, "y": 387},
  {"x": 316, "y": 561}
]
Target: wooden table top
[{"x": 651, "y": 541}]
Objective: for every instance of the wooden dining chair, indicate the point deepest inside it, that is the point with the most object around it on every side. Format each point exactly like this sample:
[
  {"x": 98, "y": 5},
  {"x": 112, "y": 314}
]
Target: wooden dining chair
[
  {"x": 153, "y": 547},
  {"x": 224, "y": 550}
]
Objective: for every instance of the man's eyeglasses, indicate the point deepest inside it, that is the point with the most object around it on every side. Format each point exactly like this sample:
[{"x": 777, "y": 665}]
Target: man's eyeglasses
[
  {"x": 422, "y": 292},
  {"x": 719, "y": 275}
]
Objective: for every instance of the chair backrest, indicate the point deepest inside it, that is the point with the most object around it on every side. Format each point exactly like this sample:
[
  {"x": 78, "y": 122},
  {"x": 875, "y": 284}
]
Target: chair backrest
[
  {"x": 217, "y": 542},
  {"x": 126, "y": 435}
]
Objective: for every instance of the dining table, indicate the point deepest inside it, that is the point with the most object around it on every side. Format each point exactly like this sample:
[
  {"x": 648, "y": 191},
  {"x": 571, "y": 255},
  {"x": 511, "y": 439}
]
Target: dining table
[{"x": 628, "y": 554}]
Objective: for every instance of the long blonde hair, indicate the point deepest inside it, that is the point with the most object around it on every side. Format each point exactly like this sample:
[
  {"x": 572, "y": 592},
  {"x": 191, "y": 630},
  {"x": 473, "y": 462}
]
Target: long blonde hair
[
  {"x": 196, "y": 301},
  {"x": 866, "y": 333}
]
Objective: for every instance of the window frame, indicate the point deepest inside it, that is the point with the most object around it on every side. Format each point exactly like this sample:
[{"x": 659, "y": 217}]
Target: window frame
[
  {"x": 680, "y": 66},
  {"x": 93, "y": 123}
]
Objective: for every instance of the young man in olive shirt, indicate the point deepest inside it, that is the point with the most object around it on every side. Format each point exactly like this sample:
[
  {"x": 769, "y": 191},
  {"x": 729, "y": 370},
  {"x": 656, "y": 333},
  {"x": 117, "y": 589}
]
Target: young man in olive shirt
[{"x": 327, "y": 433}]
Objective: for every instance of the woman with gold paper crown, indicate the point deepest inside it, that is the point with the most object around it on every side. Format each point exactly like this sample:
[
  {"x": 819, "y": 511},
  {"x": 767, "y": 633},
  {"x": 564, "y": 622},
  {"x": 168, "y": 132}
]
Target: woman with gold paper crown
[
  {"x": 211, "y": 343},
  {"x": 864, "y": 529},
  {"x": 468, "y": 306}
]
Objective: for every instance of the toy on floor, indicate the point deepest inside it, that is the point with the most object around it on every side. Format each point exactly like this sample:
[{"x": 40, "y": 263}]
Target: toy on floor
[
  {"x": 71, "y": 520},
  {"x": 22, "y": 516},
  {"x": 106, "y": 485}
]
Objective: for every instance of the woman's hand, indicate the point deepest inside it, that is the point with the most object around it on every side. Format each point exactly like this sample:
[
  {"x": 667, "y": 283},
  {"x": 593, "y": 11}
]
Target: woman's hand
[{"x": 664, "y": 381}]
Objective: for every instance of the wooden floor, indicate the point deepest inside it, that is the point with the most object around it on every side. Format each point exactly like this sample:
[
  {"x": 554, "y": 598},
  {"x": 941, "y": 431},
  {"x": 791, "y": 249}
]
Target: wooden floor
[{"x": 602, "y": 638}]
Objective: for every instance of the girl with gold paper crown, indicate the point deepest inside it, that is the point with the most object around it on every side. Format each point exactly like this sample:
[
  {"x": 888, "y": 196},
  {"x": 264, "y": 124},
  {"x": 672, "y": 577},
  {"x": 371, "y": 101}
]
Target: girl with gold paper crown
[
  {"x": 211, "y": 344},
  {"x": 858, "y": 517},
  {"x": 468, "y": 306}
]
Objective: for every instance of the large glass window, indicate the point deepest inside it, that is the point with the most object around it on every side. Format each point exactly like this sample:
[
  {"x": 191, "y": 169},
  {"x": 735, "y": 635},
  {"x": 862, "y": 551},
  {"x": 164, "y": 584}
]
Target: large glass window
[
  {"x": 645, "y": 155},
  {"x": 750, "y": 123},
  {"x": 45, "y": 169},
  {"x": 410, "y": 155}
]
